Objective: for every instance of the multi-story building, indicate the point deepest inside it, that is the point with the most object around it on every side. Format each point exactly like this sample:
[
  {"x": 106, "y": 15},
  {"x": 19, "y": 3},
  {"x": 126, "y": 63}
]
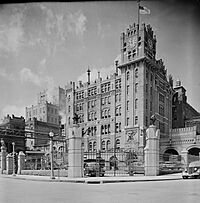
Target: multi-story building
[
  {"x": 181, "y": 110},
  {"x": 116, "y": 111},
  {"x": 37, "y": 133},
  {"x": 12, "y": 130},
  {"x": 50, "y": 107},
  {"x": 45, "y": 112}
]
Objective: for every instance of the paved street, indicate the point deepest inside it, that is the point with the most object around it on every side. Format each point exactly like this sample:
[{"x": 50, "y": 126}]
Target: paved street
[{"x": 13, "y": 190}]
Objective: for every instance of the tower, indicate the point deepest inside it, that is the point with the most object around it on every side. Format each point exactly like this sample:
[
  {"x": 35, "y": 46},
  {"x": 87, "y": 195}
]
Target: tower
[{"x": 145, "y": 88}]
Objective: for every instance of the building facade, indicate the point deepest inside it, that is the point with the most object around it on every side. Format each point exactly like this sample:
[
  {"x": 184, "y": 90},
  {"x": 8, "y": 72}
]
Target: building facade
[
  {"x": 12, "y": 130},
  {"x": 50, "y": 107},
  {"x": 114, "y": 113}
]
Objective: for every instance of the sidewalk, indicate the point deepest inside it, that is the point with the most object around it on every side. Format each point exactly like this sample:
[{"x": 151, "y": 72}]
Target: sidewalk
[{"x": 97, "y": 180}]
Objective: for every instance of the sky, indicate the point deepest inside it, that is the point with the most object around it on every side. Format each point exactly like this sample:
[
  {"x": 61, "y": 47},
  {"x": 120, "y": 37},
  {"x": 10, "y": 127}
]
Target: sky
[{"x": 43, "y": 45}]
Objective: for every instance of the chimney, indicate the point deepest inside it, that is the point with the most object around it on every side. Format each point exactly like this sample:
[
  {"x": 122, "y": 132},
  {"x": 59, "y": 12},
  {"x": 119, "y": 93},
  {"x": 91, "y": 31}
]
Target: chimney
[
  {"x": 99, "y": 75},
  {"x": 116, "y": 70},
  {"x": 88, "y": 72},
  {"x": 80, "y": 83}
]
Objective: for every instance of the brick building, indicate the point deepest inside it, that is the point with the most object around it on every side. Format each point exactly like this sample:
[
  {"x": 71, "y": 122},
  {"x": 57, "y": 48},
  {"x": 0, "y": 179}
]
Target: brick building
[
  {"x": 117, "y": 110},
  {"x": 12, "y": 130}
]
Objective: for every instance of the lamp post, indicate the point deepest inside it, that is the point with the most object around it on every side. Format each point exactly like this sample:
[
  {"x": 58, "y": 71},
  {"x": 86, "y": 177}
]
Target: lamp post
[
  {"x": 13, "y": 144},
  {"x": 51, "y": 134}
]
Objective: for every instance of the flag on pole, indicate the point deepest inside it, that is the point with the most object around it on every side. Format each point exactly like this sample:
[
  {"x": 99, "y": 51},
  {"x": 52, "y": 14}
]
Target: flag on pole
[{"x": 144, "y": 10}]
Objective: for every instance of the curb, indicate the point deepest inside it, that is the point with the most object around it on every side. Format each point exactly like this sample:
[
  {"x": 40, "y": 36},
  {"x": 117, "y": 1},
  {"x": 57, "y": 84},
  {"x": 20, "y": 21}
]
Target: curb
[{"x": 91, "y": 181}]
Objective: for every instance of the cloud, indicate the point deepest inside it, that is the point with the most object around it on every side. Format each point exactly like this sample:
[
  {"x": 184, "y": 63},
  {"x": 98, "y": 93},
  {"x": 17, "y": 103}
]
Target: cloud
[
  {"x": 11, "y": 31},
  {"x": 104, "y": 72},
  {"x": 4, "y": 74},
  {"x": 38, "y": 79},
  {"x": 76, "y": 23},
  {"x": 13, "y": 109}
]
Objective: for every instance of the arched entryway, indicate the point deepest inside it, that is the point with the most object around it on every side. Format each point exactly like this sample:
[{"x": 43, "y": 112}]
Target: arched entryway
[
  {"x": 193, "y": 154},
  {"x": 194, "y": 151},
  {"x": 169, "y": 154}
]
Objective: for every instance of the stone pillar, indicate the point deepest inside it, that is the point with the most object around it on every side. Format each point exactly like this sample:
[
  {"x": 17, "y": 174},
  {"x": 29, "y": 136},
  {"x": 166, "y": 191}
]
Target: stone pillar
[
  {"x": 75, "y": 155},
  {"x": 9, "y": 164},
  {"x": 184, "y": 158},
  {"x": 21, "y": 162},
  {"x": 3, "y": 159},
  {"x": 151, "y": 151}
]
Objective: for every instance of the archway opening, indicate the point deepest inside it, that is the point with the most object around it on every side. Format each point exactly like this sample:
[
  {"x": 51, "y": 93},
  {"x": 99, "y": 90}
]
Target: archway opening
[
  {"x": 194, "y": 151},
  {"x": 170, "y": 154}
]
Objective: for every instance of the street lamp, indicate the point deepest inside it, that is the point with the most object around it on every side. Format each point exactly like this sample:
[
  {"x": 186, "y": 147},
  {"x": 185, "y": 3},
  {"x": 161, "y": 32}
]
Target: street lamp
[
  {"x": 13, "y": 144},
  {"x": 51, "y": 134}
]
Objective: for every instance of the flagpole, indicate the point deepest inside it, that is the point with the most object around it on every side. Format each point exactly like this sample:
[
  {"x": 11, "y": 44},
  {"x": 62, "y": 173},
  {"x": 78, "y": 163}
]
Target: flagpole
[{"x": 138, "y": 26}]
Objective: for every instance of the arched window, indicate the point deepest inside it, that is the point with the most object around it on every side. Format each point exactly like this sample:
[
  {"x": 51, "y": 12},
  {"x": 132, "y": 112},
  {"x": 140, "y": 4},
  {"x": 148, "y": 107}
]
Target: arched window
[
  {"x": 90, "y": 146},
  {"x": 117, "y": 144},
  {"x": 102, "y": 129},
  {"x": 136, "y": 73},
  {"x": 105, "y": 129},
  {"x": 136, "y": 120},
  {"x": 136, "y": 87},
  {"x": 136, "y": 103},
  {"x": 94, "y": 146},
  {"x": 108, "y": 145},
  {"x": 103, "y": 145},
  {"x": 120, "y": 110},
  {"x": 105, "y": 114},
  {"x": 127, "y": 75}
]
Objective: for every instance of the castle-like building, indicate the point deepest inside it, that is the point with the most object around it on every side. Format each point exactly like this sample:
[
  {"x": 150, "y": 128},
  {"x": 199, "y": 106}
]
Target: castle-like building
[{"x": 116, "y": 111}]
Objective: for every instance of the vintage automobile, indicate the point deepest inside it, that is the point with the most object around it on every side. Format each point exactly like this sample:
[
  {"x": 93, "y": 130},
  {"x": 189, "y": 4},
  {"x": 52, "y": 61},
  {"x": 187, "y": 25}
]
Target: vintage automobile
[
  {"x": 193, "y": 170},
  {"x": 93, "y": 167}
]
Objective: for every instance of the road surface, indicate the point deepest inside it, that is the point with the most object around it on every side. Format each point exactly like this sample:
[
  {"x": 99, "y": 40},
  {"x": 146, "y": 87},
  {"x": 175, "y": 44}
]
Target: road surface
[{"x": 15, "y": 190}]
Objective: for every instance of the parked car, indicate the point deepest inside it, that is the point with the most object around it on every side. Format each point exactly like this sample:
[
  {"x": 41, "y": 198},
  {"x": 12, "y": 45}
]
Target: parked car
[
  {"x": 94, "y": 168},
  {"x": 193, "y": 170}
]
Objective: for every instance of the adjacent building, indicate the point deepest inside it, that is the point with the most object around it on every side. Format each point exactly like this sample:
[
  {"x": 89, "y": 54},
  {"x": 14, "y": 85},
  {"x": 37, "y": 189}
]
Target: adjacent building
[{"x": 12, "y": 130}]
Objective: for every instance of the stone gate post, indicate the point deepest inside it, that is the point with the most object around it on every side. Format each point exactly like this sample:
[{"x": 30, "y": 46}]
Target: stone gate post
[
  {"x": 75, "y": 154},
  {"x": 184, "y": 158},
  {"x": 9, "y": 164},
  {"x": 152, "y": 151},
  {"x": 3, "y": 158},
  {"x": 21, "y": 162}
]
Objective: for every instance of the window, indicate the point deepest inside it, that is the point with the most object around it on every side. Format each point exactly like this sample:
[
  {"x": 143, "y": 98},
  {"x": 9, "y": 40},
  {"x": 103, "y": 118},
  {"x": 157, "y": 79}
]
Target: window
[
  {"x": 90, "y": 146},
  {"x": 136, "y": 73},
  {"x": 151, "y": 106},
  {"x": 118, "y": 127},
  {"x": 136, "y": 103},
  {"x": 128, "y": 75},
  {"x": 146, "y": 121},
  {"x": 151, "y": 90},
  {"x": 118, "y": 84},
  {"x": 136, "y": 120},
  {"x": 136, "y": 87},
  {"x": 105, "y": 87},
  {"x": 103, "y": 145},
  {"x": 108, "y": 145},
  {"x": 161, "y": 110},
  {"x": 161, "y": 98},
  {"x": 118, "y": 144},
  {"x": 127, "y": 121},
  {"x": 68, "y": 109},
  {"x": 146, "y": 104},
  {"x": 146, "y": 88},
  {"x": 94, "y": 146},
  {"x": 127, "y": 106},
  {"x": 127, "y": 89}
]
